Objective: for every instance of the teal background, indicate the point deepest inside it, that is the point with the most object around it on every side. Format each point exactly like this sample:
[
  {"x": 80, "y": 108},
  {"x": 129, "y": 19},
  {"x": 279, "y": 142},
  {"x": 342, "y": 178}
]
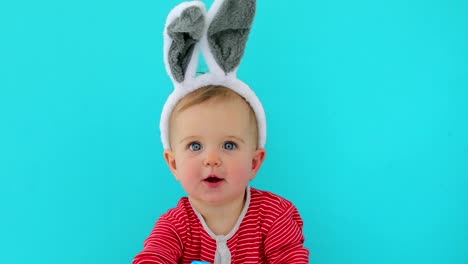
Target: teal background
[{"x": 367, "y": 109}]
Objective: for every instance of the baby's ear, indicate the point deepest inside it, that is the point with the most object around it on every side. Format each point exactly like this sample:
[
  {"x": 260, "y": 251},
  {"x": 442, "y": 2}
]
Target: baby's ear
[
  {"x": 170, "y": 161},
  {"x": 257, "y": 161},
  {"x": 184, "y": 28},
  {"x": 228, "y": 31}
]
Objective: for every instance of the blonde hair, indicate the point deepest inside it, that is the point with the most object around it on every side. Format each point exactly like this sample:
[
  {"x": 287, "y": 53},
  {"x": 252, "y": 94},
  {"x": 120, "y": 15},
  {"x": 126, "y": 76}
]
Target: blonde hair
[{"x": 213, "y": 92}]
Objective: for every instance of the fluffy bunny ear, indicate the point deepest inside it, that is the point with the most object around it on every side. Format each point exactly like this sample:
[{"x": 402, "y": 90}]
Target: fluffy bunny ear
[
  {"x": 230, "y": 23},
  {"x": 184, "y": 28}
]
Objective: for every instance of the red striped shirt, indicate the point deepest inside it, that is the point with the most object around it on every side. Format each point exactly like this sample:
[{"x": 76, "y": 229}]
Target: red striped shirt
[{"x": 270, "y": 232}]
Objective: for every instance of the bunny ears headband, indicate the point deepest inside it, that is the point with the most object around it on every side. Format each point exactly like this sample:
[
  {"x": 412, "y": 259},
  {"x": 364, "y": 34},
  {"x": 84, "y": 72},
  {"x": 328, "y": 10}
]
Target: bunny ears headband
[{"x": 221, "y": 35}]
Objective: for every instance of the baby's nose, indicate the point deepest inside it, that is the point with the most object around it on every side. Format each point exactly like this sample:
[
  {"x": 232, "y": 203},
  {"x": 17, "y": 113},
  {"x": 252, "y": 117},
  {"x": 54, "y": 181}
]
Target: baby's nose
[{"x": 212, "y": 159}]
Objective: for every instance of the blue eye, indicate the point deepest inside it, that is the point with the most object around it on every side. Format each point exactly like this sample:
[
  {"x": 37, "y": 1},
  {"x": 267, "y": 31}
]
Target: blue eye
[
  {"x": 229, "y": 145},
  {"x": 195, "y": 146}
]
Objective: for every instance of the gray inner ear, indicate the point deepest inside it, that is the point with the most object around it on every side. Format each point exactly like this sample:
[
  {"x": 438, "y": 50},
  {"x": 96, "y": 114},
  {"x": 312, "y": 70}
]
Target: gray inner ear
[
  {"x": 185, "y": 31},
  {"x": 228, "y": 32}
]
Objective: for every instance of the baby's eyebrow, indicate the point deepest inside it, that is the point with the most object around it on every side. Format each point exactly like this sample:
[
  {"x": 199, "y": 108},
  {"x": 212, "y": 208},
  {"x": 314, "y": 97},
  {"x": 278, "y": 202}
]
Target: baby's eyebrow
[
  {"x": 236, "y": 138},
  {"x": 188, "y": 138}
]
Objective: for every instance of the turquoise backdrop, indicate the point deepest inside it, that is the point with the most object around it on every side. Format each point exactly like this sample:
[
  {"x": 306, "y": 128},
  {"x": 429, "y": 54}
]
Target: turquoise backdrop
[{"x": 367, "y": 108}]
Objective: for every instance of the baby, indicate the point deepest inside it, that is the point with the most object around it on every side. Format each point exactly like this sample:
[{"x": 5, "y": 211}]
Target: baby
[
  {"x": 213, "y": 131},
  {"x": 214, "y": 155}
]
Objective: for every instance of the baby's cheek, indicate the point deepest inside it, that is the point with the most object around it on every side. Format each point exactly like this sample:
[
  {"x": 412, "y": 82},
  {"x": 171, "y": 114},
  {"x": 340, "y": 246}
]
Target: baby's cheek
[
  {"x": 189, "y": 177},
  {"x": 189, "y": 169},
  {"x": 241, "y": 168}
]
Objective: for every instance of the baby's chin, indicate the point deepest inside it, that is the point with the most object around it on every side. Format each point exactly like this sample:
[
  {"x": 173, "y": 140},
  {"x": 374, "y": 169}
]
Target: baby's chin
[{"x": 216, "y": 198}]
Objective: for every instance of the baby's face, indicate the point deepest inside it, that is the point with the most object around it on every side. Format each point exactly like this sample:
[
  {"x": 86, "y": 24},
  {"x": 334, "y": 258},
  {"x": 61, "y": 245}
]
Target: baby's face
[{"x": 213, "y": 150}]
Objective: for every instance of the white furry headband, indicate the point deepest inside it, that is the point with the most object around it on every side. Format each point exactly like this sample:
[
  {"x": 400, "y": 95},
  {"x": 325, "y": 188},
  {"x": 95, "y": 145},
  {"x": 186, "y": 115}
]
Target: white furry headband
[{"x": 221, "y": 35}]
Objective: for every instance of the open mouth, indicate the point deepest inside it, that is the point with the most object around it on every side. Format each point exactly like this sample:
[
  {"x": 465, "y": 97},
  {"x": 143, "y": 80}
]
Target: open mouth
[{"x": 213, "y": 179}]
